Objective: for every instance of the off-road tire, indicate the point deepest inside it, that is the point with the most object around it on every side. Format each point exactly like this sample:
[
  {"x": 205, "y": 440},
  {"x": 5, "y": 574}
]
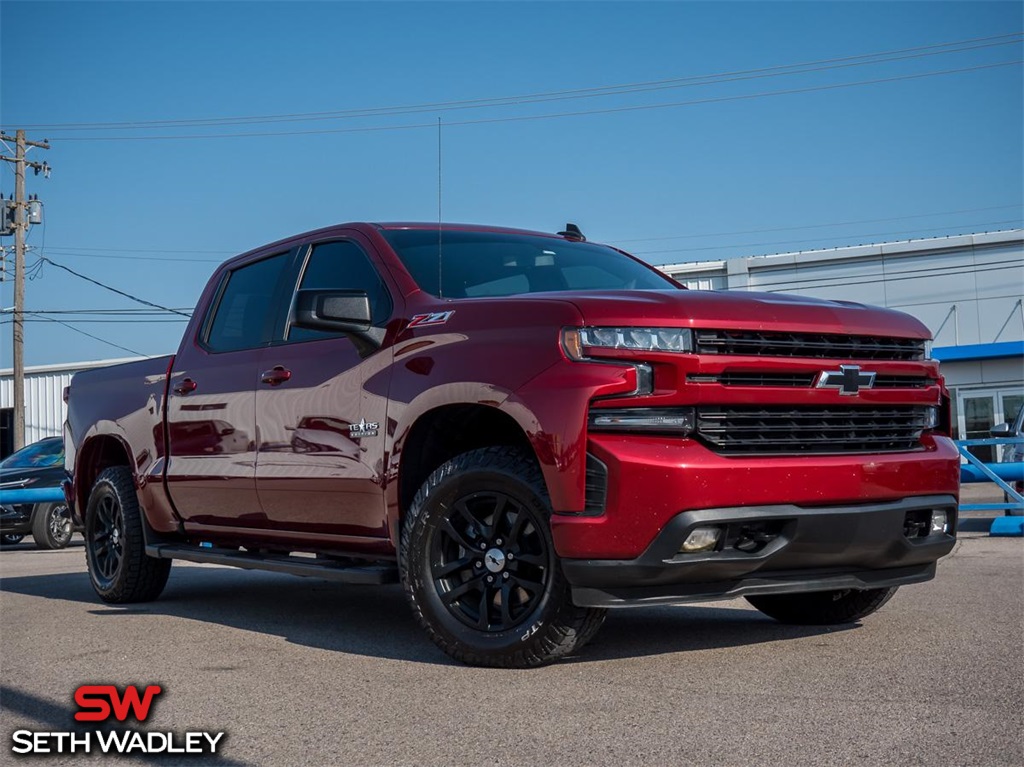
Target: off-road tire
[
  {"x": 134, "y": 577},
  {"x": 549, "y": 626},
  {"x": 51, "y": 525},
  {"x": 822, "y": 608}
]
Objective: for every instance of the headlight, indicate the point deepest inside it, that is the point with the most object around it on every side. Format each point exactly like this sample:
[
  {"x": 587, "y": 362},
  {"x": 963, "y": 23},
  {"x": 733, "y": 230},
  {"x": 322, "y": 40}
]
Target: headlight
[
  {"x": 928, "y": 348},
  {"x": 932, "y": 418},
  {"x": 576, "y": 341},
  {"x": 660, "y": 420}
]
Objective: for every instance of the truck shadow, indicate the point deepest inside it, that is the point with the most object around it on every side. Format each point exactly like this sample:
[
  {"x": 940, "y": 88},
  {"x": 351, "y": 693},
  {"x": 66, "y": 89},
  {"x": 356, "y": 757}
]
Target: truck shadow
[{"x": 375, "y": 621}]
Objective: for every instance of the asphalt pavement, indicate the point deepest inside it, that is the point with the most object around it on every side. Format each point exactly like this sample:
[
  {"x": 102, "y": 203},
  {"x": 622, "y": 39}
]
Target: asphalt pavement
[{"x": 308, "y": 672}]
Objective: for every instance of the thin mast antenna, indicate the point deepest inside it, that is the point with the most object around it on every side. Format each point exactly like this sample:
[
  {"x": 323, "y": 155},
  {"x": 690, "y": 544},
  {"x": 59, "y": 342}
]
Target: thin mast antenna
[{"x": 440, "y": 288}]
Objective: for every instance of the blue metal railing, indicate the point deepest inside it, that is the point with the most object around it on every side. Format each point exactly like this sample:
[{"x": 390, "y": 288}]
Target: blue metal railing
[{"x": 1002, "y": 474}]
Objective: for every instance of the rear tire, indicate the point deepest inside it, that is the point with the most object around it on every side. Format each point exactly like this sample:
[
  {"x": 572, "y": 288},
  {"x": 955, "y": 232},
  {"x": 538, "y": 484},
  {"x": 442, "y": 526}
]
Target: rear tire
[
  {"x": 115, "y": 547},
  {"x": 11, "y": 539},
  {"x": 51, "y": 525},
  {"x": 822, "y": 608},
  {"x": 479, "y": 566}
]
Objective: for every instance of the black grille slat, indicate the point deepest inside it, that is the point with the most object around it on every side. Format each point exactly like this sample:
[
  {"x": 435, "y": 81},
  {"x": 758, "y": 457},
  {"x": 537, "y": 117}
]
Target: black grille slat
[
  {"x": 751, "y": 430},
  {"x": 818, "y": 345},
  {"x": 803, "y": 380},
  {"x": 796, "y": 380},
  {"x": 903, "y": 382}
]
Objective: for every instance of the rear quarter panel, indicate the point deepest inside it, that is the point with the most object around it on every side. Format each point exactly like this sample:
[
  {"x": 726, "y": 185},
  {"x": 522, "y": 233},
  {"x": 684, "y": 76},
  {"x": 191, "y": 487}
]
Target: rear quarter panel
[{"x": 123, "y": 403}]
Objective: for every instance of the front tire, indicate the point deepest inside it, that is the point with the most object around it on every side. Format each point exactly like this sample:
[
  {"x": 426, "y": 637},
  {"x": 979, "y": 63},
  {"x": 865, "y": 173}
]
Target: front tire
[
  {"x": 115, "y": 548},
  {"x": 51, "y": 525},
  {"x": 479, "y": 566},
  {"x": 11, "y": 539},
  {"x": 822, "y": 608}
]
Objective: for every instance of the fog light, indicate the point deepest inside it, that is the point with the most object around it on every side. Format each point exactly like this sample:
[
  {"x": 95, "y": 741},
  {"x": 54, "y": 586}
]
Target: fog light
[
  {"x": 700, "y": 539},
  {"x": 940, "y": 523}
]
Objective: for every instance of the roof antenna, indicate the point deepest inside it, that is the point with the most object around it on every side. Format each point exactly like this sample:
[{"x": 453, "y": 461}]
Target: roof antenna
[
  {"x": 440, "y": 288},
  {"x": 572, "y": 232}
]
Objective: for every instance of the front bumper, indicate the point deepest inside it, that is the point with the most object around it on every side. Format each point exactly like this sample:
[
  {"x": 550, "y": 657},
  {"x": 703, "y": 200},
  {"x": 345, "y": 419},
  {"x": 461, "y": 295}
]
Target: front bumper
[
  {"x": 15, "y": 519},
  {"x": 857, "y": 546}
]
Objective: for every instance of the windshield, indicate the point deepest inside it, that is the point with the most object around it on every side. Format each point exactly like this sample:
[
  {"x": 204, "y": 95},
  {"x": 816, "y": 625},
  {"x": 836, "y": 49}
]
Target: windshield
[
  {"x": 47, "y": 452},
  {"x": 477, "y": 264}
]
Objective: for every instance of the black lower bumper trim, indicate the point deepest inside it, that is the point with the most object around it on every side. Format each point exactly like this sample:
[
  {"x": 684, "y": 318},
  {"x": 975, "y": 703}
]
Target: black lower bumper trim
[
  {"x": 643, "y": 596},
  {"x": 774, "y": 550}
]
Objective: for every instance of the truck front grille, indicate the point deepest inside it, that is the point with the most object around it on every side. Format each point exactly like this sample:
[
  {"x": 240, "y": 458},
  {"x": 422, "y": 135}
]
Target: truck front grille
[
  {"x": 803, "y": 380},
  {"x": 830, "y": 346},
  {"x": 759, "y": 430}
]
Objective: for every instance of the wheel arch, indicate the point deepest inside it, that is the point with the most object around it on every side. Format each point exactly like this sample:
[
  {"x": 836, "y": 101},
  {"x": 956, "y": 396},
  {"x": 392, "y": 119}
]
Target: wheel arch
[
  {"x": 98, "y": 453},
  {"x": 441, "y": 433}
]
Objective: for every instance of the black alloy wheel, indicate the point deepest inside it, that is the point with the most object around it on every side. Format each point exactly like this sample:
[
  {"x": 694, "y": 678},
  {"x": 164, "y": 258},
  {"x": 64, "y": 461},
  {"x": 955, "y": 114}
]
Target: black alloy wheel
[
  {"x": 479, "y": 566},
  {"x": 105, "y": 537},
  {"x": 51, "y": 525},
  {"x": 489, "y": 561},
  {"x": 115, "y": 542}
]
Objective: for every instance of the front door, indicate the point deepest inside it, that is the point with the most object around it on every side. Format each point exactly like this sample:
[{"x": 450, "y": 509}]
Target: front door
[{"x": 320, "y": 463}]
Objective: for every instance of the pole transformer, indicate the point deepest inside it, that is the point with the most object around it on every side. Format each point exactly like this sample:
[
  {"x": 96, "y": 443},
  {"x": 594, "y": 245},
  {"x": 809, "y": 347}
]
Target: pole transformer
[{"x": 20, "y": 231}]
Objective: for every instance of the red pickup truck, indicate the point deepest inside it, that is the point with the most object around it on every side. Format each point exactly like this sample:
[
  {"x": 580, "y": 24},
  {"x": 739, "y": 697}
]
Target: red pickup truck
[{"x": 524, "y": 429}]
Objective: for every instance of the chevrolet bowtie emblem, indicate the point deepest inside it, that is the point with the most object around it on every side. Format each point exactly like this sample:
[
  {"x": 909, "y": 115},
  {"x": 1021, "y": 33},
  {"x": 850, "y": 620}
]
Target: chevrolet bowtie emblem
[{"x": 849, "y": 379}]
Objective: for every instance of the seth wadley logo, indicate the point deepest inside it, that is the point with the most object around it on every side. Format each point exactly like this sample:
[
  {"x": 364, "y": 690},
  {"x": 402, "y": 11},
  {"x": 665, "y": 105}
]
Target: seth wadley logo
[{"x": 102, "y": 702}]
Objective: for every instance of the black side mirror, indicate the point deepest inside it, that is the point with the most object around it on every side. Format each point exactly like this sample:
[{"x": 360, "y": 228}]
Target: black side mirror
[{"x": 339, "y": 311}]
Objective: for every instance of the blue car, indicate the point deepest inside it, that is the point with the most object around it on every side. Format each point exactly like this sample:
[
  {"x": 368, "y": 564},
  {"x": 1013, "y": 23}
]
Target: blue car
[{"x": 30, "y": 497}]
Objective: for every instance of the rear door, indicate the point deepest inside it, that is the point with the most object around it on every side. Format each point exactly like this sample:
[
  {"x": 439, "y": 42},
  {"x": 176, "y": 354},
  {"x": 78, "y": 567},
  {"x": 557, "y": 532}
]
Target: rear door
[
  {"x": 211, "y": 408},
  {"x": 321, "y": 409}
]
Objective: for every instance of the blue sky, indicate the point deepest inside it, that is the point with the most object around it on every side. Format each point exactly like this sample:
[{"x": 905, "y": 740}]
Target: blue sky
[{"x": 920, "y": 156}]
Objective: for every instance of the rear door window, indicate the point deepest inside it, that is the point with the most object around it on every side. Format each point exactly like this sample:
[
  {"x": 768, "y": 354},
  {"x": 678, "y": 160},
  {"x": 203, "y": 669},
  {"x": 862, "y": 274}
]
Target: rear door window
[{"x": 243, "y": 317}]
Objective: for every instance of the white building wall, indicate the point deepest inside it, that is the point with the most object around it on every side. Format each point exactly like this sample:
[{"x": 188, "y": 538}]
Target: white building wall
[
  {"x": 45, "y": 410},
  {"x": 966, "y": 289}
]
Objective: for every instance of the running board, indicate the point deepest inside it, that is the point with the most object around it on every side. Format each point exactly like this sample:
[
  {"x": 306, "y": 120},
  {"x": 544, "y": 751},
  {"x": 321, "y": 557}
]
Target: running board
[{"x": 368, "y": 574}]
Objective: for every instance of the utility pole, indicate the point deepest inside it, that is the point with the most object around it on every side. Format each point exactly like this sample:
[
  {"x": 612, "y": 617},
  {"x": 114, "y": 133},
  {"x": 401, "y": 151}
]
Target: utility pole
[{"x": 20, "y": 230}]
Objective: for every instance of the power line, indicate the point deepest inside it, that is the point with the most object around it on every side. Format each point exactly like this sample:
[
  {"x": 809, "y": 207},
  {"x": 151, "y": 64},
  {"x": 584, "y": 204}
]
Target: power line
[
  {"x": 63, "y": 252},
  {"x": 110, "y": 312},
  {"x": 1018, "y": 206},
  {"x": 106, "y": 321},
  {"x": 556, "y": 115},
  {"x": 81, "y": 251},
  {"x": 975, "y": 227},
  {"x": 936, "y": 49},
  {"x": 136, "y": 250},
  {"x": 97, "y": 338},
  {"x": 108, "y": 287}
]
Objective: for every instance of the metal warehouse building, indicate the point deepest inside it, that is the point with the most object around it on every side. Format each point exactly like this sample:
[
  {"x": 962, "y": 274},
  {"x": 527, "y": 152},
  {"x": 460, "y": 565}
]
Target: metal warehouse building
[
  {"x": 967, "y": 289},
  {"x": 45, "y": 410}
]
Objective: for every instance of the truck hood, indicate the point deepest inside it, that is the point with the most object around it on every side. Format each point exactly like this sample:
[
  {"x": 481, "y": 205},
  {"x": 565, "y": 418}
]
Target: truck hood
[{"x": 728, "y": 309}]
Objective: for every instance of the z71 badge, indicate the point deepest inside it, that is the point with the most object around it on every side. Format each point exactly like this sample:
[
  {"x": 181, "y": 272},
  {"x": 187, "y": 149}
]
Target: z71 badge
[{"x": 433, "y": 318}]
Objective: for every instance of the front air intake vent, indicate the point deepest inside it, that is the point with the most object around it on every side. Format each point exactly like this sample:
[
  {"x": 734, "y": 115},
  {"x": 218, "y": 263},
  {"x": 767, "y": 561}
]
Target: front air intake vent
[
  {"x": 596, "y": 486},
  {"x": 786, "y": 430}
]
